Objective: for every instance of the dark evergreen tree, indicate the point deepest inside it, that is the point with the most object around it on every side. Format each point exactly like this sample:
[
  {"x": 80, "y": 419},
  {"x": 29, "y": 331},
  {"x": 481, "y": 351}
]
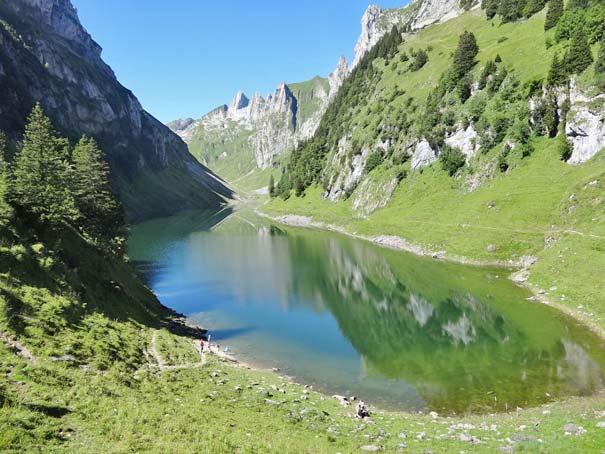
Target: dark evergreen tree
[
  {"x": 42, "y": 176},
  {"x": 3, "y": 150},
  {"x": 490, "y": 7},
  {"x": 579, "y": 57},
  {"x": 557, "y": 75},
  {"x": 533, "y": 7},
  {"x": 272, "y": 186},
  {"x": 564, "y": 147},
  {"x": 510, "y": 10},
  {"x": 581, "y": 4},
  {"x": 420, "y": 60},
  {"x": 464, "y": 57},
  {"x": 464, "y": 89},
  {"x": 599, "y": 66},
  {"x": 101, "y": 214},
  {"x": 551, "y": 116},
  {"x": 554, "y": 13},
  {"x": 451, "y": 159},
  {"x": 498, "y": 58}
]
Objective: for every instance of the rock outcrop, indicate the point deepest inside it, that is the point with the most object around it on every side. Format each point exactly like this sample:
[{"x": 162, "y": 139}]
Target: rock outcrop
[
  {"x": 585, "y": 126},
  {"x": 47, "y": 56},
  {"x": 376, "y": 22}
]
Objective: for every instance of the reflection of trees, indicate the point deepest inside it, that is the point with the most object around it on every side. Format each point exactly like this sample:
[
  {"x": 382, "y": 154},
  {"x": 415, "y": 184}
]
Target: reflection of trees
[{"x": 457, "y": 350}]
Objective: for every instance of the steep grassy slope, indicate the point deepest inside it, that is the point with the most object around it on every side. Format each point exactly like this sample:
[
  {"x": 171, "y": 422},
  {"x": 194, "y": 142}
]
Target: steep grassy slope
[{"x": 540, "y": 206}]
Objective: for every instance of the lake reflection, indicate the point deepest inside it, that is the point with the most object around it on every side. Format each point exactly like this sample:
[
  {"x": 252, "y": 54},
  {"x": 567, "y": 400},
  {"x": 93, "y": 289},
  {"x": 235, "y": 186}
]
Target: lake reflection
[{"x": 352, "y": 318}]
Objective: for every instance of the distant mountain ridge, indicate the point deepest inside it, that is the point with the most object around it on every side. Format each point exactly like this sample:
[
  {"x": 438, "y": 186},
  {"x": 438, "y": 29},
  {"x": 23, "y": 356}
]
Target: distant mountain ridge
[
  {"x": 47, "y": 56},
  {"x": 252, "y": 133}
]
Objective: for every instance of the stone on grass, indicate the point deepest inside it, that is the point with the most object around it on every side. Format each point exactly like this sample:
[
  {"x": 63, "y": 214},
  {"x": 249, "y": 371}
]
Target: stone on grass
[{"x": 370, "y": 448}]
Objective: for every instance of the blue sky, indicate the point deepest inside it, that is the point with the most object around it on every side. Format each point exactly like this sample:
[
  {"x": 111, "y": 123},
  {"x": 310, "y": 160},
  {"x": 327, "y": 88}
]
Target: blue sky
[{"x": 184, "y": 57}]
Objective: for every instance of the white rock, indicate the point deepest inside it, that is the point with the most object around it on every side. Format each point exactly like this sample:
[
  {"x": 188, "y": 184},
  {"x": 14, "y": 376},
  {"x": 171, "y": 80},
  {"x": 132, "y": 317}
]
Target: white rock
[{"x": 423, "y": 155}]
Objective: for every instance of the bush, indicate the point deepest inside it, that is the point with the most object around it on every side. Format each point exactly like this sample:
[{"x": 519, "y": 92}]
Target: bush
[
  {"x": 451, "y": 159},
  {"x": 373, "y": 161},
  {"x": 420, "y": 60},
  {"x": 564, "y": 148},
  {"x": 554, "y": 13}
]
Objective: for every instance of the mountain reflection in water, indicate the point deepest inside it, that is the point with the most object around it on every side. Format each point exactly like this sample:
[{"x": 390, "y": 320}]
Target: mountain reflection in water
[{"x": 348, "y": 316}]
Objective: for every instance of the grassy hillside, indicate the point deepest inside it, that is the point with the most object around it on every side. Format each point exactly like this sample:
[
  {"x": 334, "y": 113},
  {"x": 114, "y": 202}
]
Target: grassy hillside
[{"x": 540, "y": 206}]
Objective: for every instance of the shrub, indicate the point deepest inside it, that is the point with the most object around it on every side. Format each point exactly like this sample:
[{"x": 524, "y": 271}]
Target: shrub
[
  {"x": 564, "y": 147},
  {"x": 373, "y": 161},
  {"x": 420, "y": 60},
  {"x": 451, "y": 160},
  {"x": 554, "y": 13}
]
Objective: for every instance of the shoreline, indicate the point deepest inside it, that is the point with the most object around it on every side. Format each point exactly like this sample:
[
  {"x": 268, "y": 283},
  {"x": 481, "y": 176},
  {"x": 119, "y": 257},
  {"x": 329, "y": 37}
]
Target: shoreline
[{"x": 519, "y": 269}]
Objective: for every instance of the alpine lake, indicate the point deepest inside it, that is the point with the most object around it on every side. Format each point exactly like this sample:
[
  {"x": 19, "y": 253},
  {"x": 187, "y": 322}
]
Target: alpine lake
[{"x": 355, "y": 319}]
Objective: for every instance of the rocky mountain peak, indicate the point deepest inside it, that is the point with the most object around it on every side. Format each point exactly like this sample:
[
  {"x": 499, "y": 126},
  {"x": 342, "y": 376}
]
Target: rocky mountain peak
[
  {"x": 240, "y": 101},
  {"x": 337, "y": 77},
  {"x": 368, "y": 37},
  {"x": 61, "y": 18}
]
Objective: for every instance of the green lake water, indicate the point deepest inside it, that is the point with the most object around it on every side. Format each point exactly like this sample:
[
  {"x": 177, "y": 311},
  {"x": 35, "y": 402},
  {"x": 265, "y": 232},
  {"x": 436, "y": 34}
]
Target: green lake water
[{"x": 352, "y": 318}]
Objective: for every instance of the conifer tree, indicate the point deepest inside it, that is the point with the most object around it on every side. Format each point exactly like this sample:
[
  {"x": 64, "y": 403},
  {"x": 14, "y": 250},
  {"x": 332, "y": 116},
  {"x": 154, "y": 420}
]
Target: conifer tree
[
  {"x": 554, "y": 13},
  {"x": 464, "y": 57},
  {"x": 490, "y": 7},
  {"x": 557, "y": 75},
  {"x": 101, "y": 213},
  {"x": 3, "y": 150},
  {"x": 272, "y": 186},
  {"x": 600, "y": 63},
  {"x": 41, "y": 177},
  {"x": 509, "y": 10},
  {"x": 579, "y": 57},
  {"x": 533, "y": 7}
]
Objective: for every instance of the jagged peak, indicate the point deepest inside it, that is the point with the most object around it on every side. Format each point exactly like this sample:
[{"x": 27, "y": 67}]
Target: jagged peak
[{"x": 240, "y": 101}]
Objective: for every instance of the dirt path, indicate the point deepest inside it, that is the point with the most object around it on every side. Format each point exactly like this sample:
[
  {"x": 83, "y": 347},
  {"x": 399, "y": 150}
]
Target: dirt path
[{"x": 157, "y": 360}]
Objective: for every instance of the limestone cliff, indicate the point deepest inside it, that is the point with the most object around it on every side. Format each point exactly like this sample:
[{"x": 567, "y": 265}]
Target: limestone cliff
[
  {"x": 262, "y": 128},
  {"x": 47, "y": 56}
]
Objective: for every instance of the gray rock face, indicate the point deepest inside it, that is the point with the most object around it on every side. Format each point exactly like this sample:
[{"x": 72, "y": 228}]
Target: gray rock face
[
  {"x": 273, "y": 125},
  {"x": 423, "y": 155},
  {"x": 436, "y": 11},
  {"x": 376, "y": 22},
  {"x": 585, "y": 126},
  {"x": 339, "y": 75},
  {"x": 464, "y": 140},
  {"x": 47, "y": 56}
]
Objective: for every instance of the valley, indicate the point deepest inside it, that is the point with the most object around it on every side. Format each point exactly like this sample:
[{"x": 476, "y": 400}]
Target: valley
[{"x": 404, "y": 255}]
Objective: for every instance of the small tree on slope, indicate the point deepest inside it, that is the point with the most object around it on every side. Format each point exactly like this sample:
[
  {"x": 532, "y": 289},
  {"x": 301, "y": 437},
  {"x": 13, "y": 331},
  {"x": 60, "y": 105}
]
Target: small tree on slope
[
  {"x": 42, "y": 174},
  {"x": 554, "y": 13},
  {"x": 464, "y": 57},
  {"x": 102, "y": 216},
  {"x": 579, "y": 57}
]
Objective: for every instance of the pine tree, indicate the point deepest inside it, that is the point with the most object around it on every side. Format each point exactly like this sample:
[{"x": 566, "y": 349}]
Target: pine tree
[
  {"x": 464, "y": 57},
  {"x": 3, "y": 150},
  {"x": 272, "y": 186},
  {"x": 579, "y": 57},
  {"x": 41, "y": 178},
  {"x": 599, "y": 66},
  {"x": 101, "y": 213},
  {"x": 490, "y": 7},
  {"x": 554, "y": 13},
  {"x": 557, "y": 75},
  {"x": 564, "y": 147},
  {"x": 533, "y": 7},
  {"x": 509, "y": 10}
]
